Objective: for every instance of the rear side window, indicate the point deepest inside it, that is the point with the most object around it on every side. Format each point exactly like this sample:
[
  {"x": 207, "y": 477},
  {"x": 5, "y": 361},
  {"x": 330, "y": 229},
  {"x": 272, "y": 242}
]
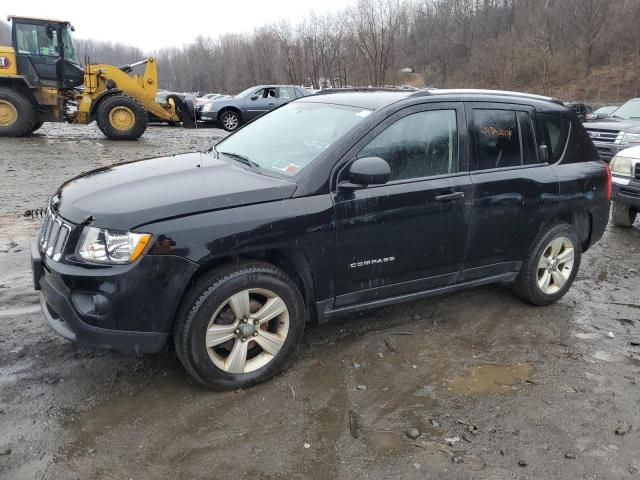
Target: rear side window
[
  {"x": 557, "y": 130},
  {"x": 419, "y": 145}
]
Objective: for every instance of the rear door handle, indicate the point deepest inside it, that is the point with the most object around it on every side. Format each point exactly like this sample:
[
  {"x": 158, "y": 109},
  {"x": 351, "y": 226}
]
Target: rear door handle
[{"x": 447, "y": 197}]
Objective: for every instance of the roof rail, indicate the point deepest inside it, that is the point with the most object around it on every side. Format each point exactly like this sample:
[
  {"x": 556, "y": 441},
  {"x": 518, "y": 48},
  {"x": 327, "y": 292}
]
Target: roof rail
[
  {"x": 471, "y": 91},
  {"x": 327, "y": 91}
]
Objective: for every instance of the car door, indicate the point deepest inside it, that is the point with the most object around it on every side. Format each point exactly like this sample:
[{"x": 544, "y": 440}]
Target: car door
[
  {"x": 260, "y": 102},
  {"x": 409, "y": 234},
  {"x": 513, "y": 187}
]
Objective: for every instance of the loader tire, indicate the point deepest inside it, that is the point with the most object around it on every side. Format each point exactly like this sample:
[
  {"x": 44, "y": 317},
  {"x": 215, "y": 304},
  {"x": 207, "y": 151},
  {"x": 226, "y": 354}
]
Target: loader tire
[
  {"x": 121, "y": 118},
  {"x": 17, "y": 113},
  {"x": 37, "y": 125}
]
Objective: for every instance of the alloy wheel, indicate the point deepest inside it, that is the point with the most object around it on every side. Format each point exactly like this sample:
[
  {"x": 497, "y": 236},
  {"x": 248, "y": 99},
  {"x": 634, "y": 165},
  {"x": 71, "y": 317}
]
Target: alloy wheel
[
  {"x": 247, "y": 331},
  {"x": 230, "y": 121},
  {"x": 555, "y": 265}
]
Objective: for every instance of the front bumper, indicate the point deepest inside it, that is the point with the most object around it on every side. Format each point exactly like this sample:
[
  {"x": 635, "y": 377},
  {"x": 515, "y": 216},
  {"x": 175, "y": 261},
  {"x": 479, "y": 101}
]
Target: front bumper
[
  {"x": 208, "y": 117},
  {"x": 608, "y": 150},
  {"x": 137, "y": 303},
  {"x": 626, "y": 191}
]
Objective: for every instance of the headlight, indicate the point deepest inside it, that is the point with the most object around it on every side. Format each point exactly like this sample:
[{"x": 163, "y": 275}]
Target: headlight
[
  {"x": 207, "y": 107},
  {"x": 621, "y": 166},
  {"x": 630, "y": 139},
  {"x": 98, "y": 245}
]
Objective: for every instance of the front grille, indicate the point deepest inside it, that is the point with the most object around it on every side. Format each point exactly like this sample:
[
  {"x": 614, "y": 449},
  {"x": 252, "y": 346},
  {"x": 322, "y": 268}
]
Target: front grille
[
  {"x": 53, "y": 236},
  {"x": 605, "y": 154},
  {"x": 637, "y": 169},
  {"x": 608, "y": 136}
]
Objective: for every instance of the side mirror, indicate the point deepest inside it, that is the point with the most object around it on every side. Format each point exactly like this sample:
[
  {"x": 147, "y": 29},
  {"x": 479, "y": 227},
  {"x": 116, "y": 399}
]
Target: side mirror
[
  {"x": 254, "y": 97},
  {"x": 543, "y": 151},
  {"x": 602, "y": 116},
  {"x": 369, "y": 171}
]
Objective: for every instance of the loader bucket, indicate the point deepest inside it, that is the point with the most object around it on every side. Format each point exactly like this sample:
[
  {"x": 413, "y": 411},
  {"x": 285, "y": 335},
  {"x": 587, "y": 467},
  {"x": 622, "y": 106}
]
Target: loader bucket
[{"x": 186, "y": 110}]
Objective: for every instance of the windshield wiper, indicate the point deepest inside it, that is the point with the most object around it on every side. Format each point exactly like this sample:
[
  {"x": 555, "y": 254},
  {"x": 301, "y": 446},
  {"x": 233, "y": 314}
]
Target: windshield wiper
[
  {"x": 618, "y": 116},
  {"x": 241, "y": 159}
]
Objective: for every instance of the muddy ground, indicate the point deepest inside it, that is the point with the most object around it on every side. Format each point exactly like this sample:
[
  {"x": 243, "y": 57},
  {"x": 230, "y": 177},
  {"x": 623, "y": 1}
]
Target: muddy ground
[{"x": 495, "y": 388}]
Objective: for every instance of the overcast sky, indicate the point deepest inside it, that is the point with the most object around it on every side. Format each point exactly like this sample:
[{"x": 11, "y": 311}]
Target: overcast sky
[{"x": 151, "y": 26}]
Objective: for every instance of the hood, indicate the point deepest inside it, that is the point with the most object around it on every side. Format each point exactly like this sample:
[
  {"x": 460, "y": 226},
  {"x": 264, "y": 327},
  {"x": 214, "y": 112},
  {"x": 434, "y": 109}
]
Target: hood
[
  {"x": 127, "y": 195},
  {"x": 628, "y": 126}
]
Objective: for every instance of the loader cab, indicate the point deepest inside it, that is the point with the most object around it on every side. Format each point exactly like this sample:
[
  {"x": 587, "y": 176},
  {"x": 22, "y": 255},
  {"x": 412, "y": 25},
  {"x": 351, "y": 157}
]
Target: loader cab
[{"x": 45, "y": 53}]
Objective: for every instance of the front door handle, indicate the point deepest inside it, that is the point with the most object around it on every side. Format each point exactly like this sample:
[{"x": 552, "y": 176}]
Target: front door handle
[{"x": 447, "y": 197}]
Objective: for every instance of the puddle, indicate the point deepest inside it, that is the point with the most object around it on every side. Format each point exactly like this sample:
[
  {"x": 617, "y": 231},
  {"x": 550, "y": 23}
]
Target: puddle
[
  {"x": 387, "y": 442},
  {"x": 604, "y": 356},
  {"x": 489, "y": 378},
  {"x": 588, "y": 336}
]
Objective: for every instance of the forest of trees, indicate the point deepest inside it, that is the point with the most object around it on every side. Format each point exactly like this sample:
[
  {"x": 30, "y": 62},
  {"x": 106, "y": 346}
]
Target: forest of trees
[{"x": 572, "y": 49}]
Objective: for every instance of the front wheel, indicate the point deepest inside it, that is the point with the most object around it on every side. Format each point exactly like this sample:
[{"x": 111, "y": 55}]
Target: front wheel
[
  {"x": 551, "y": 265},
  {"x": 623, "y": 215},
  {"x": 239, "y": 326},
  {"x": 121, "y": 117},
  {"x": 230, "y": 121}
]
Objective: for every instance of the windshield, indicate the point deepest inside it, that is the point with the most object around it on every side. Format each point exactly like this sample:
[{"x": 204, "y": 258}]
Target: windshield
[
  {"x": 69, "y": 48},
  {"x": 290, "y": 138},
  {"x": 246, "y": 92},
  {"x": 629, "y": 110}
]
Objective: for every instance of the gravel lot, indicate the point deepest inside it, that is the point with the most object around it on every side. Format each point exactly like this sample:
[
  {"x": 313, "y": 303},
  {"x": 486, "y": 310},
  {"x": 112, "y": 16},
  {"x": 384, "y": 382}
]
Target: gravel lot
[{"x": 491, "y": 388}]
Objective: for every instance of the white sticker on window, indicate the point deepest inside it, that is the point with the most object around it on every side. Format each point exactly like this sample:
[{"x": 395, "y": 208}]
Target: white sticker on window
[{"x": 363, "y": 113}]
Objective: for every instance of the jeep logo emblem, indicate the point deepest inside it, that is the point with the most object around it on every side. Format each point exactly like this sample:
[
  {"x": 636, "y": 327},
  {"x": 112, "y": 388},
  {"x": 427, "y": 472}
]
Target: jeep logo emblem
[{"x": 5, "y": 62}]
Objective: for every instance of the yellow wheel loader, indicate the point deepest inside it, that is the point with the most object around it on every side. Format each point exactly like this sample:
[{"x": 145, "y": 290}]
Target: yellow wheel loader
[{"x": 41, "y": 80}]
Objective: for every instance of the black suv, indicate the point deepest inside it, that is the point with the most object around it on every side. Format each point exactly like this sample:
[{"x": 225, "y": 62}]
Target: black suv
[{"x": 328, "y": 205}]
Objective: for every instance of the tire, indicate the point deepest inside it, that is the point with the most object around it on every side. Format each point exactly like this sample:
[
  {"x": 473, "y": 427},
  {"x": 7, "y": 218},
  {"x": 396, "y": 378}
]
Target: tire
[
  {"x": 230, "y": 120},
  {"x": 121, "y": 117},
  {"x": 209, "y": 300},
  {"x": 623, "y": 215},
  {"x": 17, "y": 113},
  {"x": 528, "y": 284},
  {"x": 36, "y": 125}
]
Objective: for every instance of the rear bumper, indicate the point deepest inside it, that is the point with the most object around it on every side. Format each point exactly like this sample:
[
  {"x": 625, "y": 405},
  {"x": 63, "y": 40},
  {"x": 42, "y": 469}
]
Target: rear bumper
[
  {"x": 137, "y": 302},
  {"x": 599, "y": 222},
  {"x": 627, "y": 192},
  {"x": 608, "y": 150}
]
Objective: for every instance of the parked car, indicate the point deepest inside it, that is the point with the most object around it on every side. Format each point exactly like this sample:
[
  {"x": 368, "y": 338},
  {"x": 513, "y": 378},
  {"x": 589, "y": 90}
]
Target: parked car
[
  {"x": 619, "y": 131},
  {"x": 248, "y": 105},
  {"x": 330, "y": 205},
  {"x": 580, "y": 109},
  {"x": 602, "y": 112},
  {"x": 625, "y": 167}
]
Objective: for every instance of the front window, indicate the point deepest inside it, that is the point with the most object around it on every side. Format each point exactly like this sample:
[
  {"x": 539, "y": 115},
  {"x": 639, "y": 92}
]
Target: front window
[
  {"x": 290, "y": 138},
  {"x": 69, "y": 47},
  {"x": 630, "y": 110}
]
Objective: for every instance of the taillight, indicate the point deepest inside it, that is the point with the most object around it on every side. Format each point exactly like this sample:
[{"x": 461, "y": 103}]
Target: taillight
[{"x": 608, "y": 182}]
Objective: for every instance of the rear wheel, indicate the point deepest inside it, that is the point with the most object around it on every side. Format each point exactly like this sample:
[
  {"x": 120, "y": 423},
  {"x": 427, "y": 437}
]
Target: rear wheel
[
  {"x": 121, "y": 118},
  {"x": 551, "y": 266},
  {"x": 239, "y": 326},
  {"x": 230, "y": 120},
  {"x": 17, "y": 113},
  {"x": 623, "y": 215}
]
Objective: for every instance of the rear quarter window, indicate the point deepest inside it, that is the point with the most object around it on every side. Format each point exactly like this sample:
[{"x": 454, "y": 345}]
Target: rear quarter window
[{"x": 557, "y": 129}]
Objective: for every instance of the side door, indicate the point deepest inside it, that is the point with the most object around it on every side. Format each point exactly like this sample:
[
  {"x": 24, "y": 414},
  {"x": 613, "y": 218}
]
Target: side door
[
  {"x": 37, "y": 53},
  {"x": 409, "y": 234},
  {"x": 514, "y": 188},
  {"x": 260, "y": 102}
]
